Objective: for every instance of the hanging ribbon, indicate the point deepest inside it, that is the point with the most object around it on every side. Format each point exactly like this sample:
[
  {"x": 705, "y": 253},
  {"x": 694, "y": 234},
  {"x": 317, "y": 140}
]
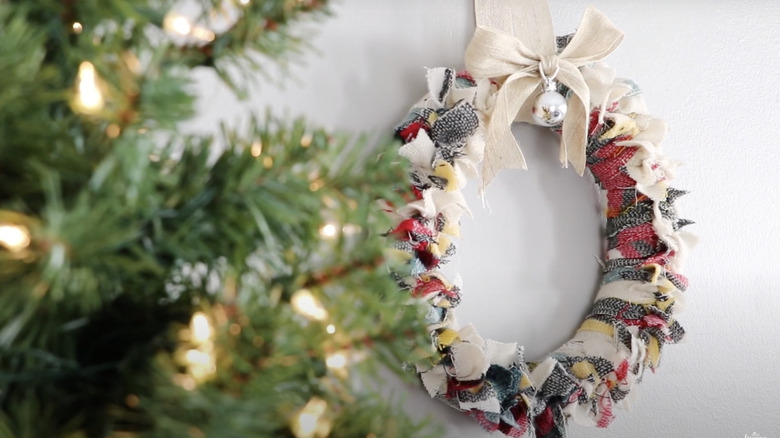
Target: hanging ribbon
[{"x": 513, "y": 40}]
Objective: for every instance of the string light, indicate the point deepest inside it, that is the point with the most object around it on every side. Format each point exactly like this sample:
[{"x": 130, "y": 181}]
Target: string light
[
  {"x": 199, "y": 359},
  {"x": 200, "y": 327},
  {"x": 306, "y": 140},
  {"x": 307, "y": 305},
  {"x": 256, "y": 149},
  {"x": 243, "y": 2},
  {"x": 329, "y": 231},
  {"x": 311, "y": 421},
  {"x": 337, "y": 362},
  {"x": 113, "y": 130},
  {"x": 178, "y": 24},
  {"x": 204, "y": 34},
  {"x": 90, "y": 99},
  {"x": 331, "y": 329},
  {"x": 200, "y": 364},
  {"x": 77, "y": 28},
  {"x": 14, "y": 237},
  {"x": 185, "y": 381},
  {"x": 181, "y": 25}
]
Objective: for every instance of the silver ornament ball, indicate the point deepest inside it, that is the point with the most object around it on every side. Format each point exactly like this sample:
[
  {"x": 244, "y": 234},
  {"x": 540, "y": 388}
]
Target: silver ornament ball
[{"x": 549, "y": 108}]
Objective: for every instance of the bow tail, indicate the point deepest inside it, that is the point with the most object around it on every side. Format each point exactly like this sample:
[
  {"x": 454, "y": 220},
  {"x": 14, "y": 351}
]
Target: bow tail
[
  {"x": 574, "y": 134},
  {"x": 503, "y": 151},
  {"x": 574, "y": 138}
]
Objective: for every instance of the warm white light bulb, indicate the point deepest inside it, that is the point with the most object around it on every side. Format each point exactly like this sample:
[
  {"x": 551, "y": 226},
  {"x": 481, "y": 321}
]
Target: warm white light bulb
[
  {"x": 14, "y": 237},
  {"x": 200, "y": 327},
  {"x": 329, "y": 231},
  {"x": 309, "y": 423},
  {"x": 337, "y": 361},
  {"x": 178, "y": 24},
  {"x": 306, "y": 140},
  {"x": 89, "y": 95},
  {"x": 197, "y": 357},
  {"x": 306, "y": 304},
  {"x": 181, "y": 25},
  {"x": 200, "y": 364},
  {"x": 204, "y": 34},
  {"x": 185, "y": 381},
  {"x": 257, "y": 148}
]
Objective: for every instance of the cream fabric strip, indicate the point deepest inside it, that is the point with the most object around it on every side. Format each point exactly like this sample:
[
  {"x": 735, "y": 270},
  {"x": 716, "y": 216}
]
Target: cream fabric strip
[{"x": 512, "y": 41}]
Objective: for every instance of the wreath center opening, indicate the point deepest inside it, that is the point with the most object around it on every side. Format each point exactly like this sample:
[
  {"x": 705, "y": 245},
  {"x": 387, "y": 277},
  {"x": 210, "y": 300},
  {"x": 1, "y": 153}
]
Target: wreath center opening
[{"x": 528, "y": 259}]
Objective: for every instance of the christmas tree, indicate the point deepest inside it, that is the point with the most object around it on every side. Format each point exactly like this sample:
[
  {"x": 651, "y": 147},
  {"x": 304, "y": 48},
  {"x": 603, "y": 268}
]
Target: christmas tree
[{"x": 160, "y": 283}]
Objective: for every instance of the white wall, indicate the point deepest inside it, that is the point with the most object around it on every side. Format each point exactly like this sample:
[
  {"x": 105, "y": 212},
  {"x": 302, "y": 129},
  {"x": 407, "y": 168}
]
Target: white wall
[{"x": 709, "y": 67}]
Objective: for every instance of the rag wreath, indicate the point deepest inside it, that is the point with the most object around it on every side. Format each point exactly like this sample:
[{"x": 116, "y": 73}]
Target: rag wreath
[{"x": 444, "y": 141}]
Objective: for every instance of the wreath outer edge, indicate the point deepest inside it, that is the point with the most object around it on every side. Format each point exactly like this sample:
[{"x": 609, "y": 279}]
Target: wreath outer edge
[{"x": 633, "y": 315}]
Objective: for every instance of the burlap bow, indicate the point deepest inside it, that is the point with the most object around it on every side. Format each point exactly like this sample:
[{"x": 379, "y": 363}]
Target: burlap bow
[{"x": 514, "y": 39}]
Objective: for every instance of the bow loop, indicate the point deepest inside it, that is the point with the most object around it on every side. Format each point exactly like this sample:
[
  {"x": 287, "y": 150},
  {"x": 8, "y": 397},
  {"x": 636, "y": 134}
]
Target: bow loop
[
  {"x": 496, "y": 55},
  {"x": 596, "y": 38},
  {"x": 504, "y": 50}
]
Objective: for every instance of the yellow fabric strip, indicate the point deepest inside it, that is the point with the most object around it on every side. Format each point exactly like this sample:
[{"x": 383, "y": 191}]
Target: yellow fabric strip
[
  {"x": 445, "y": 170},
  {"x": 583, "y": 369},
  {"x": 592, "y": 325},
  {"x": 447, "y": 337}
]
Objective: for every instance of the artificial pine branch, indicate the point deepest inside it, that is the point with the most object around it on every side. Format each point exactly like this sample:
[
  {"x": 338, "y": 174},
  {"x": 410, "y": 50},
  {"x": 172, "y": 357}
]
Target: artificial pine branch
[{"x": 136, "y": 230}]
